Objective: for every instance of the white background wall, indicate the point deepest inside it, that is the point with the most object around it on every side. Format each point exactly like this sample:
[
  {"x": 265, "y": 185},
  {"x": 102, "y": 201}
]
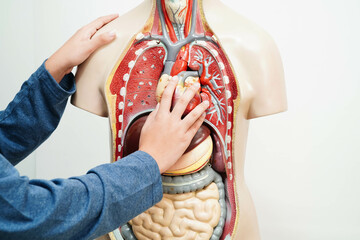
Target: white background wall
[{"x": 302, "y": 166}]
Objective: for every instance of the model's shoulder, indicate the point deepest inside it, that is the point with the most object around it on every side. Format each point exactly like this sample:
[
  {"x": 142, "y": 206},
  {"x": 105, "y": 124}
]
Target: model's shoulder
[
  {"x": 247, "y": 34},
  {"x": 132, "y": 20}
]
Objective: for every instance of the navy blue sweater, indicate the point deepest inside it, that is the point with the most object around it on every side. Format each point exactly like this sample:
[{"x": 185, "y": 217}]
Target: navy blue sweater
[{"x": 81, "y": 207}]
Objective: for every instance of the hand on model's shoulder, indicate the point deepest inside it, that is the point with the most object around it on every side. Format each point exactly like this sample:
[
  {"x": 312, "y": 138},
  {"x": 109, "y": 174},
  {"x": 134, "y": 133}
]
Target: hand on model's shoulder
[
  {"x": 92, "y": 75},
  {"x": 104, "y": 59},
  {"x": 126, "y": 26}
]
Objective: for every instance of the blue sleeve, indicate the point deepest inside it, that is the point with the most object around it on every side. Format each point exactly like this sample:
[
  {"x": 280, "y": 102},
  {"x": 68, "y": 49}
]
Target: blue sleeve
[
  {"x": 78, "y": 208},
  {"x": 33, "y": 114}
]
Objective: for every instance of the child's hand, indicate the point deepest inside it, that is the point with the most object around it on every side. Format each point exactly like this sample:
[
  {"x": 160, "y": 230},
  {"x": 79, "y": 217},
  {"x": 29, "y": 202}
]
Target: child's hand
[
  {"x": 165, "y": 136},
  {"x": 79, "y": 47}
]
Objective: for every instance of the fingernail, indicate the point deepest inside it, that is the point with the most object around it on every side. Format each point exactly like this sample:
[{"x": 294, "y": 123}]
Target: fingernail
[
  {"x": 207, "y": 103},
  {"x": 175, "y": 78},
  {"x": 197, "y": 85},
  {"x": 112, "y": 33}
]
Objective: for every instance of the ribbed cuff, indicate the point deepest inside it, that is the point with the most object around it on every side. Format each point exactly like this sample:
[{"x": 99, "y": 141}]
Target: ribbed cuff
[
  {"x": 153, "y": 172},
  {"x": 61, "y": 90}
]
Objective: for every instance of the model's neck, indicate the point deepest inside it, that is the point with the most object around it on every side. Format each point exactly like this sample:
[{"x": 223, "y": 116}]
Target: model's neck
[
  {"x": 176, "y": 10},
  {"x": 177, "y": 14}
]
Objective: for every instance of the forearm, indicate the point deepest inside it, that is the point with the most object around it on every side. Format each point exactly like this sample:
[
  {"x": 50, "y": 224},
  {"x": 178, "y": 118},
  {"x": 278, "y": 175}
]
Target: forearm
[
  {"x": 78, "y": 208},
  {"x": 33, "y": 114}
]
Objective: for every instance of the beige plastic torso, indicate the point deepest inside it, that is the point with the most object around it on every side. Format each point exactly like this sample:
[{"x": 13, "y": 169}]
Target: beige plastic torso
[{"x": 257, "y": 66}]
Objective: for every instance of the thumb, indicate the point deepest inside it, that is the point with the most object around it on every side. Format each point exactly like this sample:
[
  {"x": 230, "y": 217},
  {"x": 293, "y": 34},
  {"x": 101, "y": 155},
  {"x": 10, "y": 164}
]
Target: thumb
[
  {"x": 103, "y": 39},
  {"x": 153, "y": 113}
]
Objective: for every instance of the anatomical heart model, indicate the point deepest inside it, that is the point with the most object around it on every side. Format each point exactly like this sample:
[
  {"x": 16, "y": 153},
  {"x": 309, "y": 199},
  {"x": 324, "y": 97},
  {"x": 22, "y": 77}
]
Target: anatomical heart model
[{"x": 205, "y": 196}]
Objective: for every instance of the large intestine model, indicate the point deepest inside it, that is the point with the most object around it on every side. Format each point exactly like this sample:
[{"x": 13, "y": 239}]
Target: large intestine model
[{"x": 199, "y": 192}]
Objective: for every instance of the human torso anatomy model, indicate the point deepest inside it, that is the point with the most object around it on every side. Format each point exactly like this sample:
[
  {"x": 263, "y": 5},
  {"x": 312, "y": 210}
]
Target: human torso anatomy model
[{"x": 240, "y": 72}]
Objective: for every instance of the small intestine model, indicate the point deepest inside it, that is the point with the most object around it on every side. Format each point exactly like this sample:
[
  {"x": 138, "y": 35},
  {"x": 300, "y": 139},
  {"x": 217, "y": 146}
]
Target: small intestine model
[{"x": 199, "y": 191}]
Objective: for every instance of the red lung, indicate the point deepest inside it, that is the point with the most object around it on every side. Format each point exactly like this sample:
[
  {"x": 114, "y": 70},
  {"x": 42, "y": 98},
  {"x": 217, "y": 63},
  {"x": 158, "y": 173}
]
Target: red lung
[{"x": 134, "y": 84}]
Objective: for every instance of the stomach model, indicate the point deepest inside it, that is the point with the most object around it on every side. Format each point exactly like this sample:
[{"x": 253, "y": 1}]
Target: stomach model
[{"x": 199, "y": 192}]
